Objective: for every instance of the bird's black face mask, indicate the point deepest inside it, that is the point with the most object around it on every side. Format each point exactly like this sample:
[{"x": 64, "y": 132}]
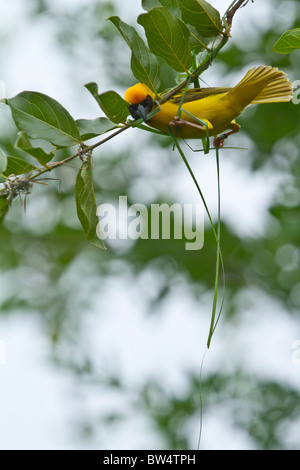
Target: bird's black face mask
[{"x": 141, "y": 110}]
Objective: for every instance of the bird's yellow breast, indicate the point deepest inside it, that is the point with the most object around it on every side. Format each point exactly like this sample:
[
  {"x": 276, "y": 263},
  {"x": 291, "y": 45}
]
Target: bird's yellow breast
[{"x": 215, "y": 110}]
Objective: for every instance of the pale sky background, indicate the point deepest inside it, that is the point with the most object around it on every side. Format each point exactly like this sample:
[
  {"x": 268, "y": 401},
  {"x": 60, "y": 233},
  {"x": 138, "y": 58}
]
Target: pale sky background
[{"x": 37, "y": 407}]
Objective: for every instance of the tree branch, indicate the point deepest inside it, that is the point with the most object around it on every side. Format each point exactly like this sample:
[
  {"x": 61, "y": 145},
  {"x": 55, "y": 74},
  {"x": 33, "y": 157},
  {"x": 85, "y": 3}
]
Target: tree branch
[
  {"x": 52, "y": 165},
  {"x": 230, "y": 14}
]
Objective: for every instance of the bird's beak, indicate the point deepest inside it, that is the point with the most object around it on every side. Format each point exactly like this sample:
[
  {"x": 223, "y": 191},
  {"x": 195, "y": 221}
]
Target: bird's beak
[{"x": 142, "y": 112}]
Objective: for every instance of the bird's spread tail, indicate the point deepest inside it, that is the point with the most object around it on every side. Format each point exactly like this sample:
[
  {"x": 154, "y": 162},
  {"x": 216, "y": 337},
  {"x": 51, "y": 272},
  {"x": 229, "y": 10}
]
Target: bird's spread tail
[{"x": 264, "y": 84}]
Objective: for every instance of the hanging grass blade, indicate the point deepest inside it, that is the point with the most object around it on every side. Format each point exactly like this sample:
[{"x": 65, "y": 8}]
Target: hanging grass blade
[
  {"x": 214, "y": 320},
  {"x": 219, "y": 261}
]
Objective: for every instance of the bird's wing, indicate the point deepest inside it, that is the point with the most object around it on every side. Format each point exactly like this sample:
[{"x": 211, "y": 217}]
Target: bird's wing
[{"x": 195, "y": 94}]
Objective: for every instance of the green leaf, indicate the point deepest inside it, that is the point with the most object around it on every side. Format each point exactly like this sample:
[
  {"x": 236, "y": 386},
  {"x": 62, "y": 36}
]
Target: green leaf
[
  {"x": 17, "y": 166},
  {"x": 149, "y": 4},
  {"x": 110, "y": 102},
  {"x": 198, "y": 43},
  {"x": 86, "y": 204},
  {"x": 90, "y": 128},
  {"x": 168, "y": 37},
  {"x": 38, "y": 153},
  {"x": 288, "y": 42},
  {"x": 144, "y": 64},
  {"x": 3, "y": 161},
  {"x": 3, "y": 208},
  {"x": 202, "y": 15},
  {"x": 42, "y": 117},
  {"x": 170, "y": 5}
]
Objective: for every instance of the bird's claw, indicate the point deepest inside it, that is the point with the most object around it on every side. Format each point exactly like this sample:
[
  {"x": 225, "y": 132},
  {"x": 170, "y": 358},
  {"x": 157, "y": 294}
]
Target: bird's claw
[
  {"x": 218, "y": 142},
  {"x": 177, "y": 122}
]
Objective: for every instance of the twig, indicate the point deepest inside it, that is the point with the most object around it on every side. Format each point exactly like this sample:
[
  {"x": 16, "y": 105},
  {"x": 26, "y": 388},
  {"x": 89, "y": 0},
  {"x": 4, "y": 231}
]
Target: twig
[
  {"x": 230, "y": 14},
  {"x": 52, "y": 165}
]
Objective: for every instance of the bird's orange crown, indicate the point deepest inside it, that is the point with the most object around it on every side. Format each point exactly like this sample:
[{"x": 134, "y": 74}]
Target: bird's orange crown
[{"x": 138, "y": 93}]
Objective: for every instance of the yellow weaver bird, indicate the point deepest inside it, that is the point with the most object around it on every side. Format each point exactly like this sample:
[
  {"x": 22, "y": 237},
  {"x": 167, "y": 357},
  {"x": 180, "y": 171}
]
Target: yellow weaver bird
[{"x": 215, "y": 107}]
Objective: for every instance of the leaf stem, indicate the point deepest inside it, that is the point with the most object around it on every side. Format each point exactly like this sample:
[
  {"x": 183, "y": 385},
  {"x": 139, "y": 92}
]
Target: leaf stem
[{"x": 52, "y": 165}]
